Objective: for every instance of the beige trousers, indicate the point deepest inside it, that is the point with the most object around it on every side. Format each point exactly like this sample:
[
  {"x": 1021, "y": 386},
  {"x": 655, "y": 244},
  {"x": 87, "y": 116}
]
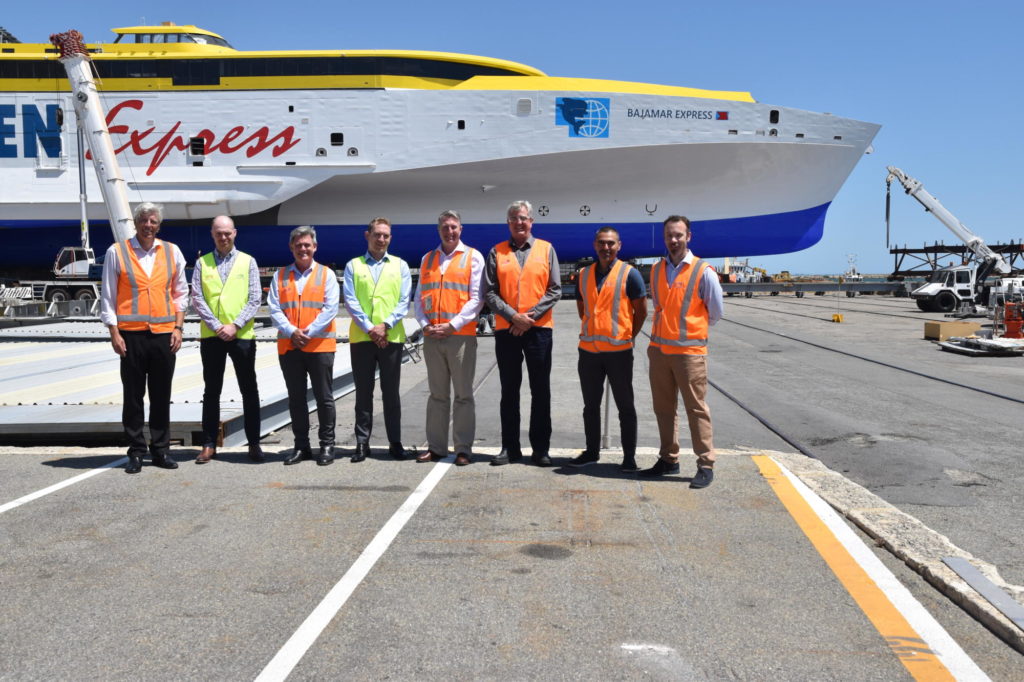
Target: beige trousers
[
  {"x": 451, "y": 364},
  {"x": 672, "y": 375}
]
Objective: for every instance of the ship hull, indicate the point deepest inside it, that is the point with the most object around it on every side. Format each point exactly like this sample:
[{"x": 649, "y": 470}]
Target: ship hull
[{"x": 336, "y": 158}]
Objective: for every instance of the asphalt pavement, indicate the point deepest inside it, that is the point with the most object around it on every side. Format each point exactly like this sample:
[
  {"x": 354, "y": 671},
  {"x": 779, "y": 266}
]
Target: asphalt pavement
[{"x": 519, "y": 572}]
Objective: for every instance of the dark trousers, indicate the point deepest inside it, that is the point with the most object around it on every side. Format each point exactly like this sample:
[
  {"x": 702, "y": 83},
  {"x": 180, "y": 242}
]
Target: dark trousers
[
  {"x": 147, "y": 363},
  {"x": 535, "y": 347},
  {"x": 319, "y": 367},
  {"x": 215, "y": 353},
  {"x": 367, "y": 358},
  {"x": 617, "y": 366}
]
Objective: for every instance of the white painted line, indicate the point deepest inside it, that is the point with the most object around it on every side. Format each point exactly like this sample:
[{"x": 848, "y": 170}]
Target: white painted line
[
  {"x": 299, "y": 643},
  {"x": 935, "y": 636},
  {"x": 63, "y": 484}
]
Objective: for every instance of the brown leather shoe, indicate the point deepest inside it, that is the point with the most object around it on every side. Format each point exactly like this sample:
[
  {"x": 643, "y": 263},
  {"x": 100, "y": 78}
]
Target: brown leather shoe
[
  {"x": 206, "y": 455},
  {"x": 462, "y": 459},
  {"x": 429, "y": 456}
]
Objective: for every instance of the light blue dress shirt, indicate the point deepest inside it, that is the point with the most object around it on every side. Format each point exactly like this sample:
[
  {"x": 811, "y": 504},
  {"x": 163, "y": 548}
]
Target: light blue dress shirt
[{"x": 355, "y": 309}]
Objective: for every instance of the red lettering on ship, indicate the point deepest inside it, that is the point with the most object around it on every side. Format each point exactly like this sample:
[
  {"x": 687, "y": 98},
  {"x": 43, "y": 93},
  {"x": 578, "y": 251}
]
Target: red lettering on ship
[{"x": 232, "y": 141}]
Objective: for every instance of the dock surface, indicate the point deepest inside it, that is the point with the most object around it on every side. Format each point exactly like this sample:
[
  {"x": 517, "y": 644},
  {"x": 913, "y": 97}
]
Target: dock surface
[{"x": 398, "y": 570}]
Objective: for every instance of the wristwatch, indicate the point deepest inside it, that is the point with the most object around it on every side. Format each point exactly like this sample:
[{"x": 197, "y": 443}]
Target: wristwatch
[{"x": 179, "y": 328}]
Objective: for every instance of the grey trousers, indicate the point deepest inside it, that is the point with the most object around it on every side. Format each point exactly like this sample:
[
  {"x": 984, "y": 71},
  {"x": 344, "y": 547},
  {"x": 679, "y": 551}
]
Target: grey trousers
[{"x": 451, "y": 366}]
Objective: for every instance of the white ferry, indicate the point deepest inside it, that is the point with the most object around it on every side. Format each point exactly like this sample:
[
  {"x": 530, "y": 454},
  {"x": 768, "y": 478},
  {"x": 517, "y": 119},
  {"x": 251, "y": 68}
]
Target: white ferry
[{"x": 333, "y": 138}]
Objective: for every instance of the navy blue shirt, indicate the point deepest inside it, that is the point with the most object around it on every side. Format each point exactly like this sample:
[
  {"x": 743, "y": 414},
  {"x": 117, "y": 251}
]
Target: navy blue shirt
[{"x": 635, "y": 287}]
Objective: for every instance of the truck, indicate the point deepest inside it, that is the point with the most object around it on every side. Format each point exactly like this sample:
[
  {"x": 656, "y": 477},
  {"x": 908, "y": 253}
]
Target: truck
[
  {"x": 76, "y": 276},
  {"x": 965, "y": 287}
]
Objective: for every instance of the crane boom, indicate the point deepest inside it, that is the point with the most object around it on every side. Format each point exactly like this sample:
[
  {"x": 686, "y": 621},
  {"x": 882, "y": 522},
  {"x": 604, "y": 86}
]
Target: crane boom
[
  {"x": 92, "y": 118},
  {"x": 975, "y": 243}
]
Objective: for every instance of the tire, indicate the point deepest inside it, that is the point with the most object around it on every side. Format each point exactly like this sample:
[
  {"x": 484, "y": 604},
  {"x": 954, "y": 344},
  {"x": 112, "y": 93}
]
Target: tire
[
  {"x": 924, "y": 304},
  {"x": 58, "y": 295},
  {"x": 774, "y": 293},
  {"x": 851, "y": 294},
  {"x": 85, "y": 294},
  {"x": 799, "y": 294},
  {"x": 945, "y": 302},
  {"x": 748, "y": 294}
]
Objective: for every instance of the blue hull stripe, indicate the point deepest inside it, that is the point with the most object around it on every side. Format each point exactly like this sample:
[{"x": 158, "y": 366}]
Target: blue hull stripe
[{"x": 25, "y": 243}]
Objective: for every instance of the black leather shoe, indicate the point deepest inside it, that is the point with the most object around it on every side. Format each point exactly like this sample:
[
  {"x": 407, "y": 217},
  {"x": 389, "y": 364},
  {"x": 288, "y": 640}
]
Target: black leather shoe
[
  {"x": 164, "y": 462},
  {"x": 505, "y": 457},
  {"x": 660, "y": 468},
  {"x": 297, "y": 455},
  {"x": 134, "y": 465},
  {"x": 703, "y": 477},
  {"x": 629, "y": 463},
  {"x": 540, "y": 459},
  {"x": 256, "y": 453},
  {"x": 361, "y": 453},
  {"x": 326, "y": 455},
  {"x": 397, "y": 451}
]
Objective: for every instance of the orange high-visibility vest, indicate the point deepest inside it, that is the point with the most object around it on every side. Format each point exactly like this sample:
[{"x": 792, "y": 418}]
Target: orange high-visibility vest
[
  {"x": 302, "y": 309},
  {"x": 443, "y": 296},
  {"x": 144, "y": 301},
  {"x": 607, "y": 323},
  {"x": 680, "y": 315},
  {"x": 522, "y": 288}
]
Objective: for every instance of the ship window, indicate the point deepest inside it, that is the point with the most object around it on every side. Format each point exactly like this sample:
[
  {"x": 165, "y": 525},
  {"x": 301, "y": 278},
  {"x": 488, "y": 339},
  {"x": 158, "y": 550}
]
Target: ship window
[
  {"x": 337, "y": 139},
  {"x": 837, "y": 137},
  {"x": 524, "y": 106},
  {"x": 800, "y": 135},
  {"x": 773, "y": 116},
  {"x": 462, "y": 124},
  {"x": 197, "y": 146},
  {"x": 734, "y": 132}
]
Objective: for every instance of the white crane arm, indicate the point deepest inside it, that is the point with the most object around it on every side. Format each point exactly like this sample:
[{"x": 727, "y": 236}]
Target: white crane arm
[
  {"x": 975, "y": 243},
  {"x": 93, "y": 119}
]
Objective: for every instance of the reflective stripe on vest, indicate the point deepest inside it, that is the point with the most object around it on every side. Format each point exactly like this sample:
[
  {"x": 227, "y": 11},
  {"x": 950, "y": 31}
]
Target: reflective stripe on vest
[
  {"x": 522, "y": 288},
  {"x": 144, "y": 301},
  {"x": 443, "y": 295},
  {"x": 303, "y": 309},
  {"x": 680, "y": 317},
  {"x": 607, "y": 324},
  {"x": 377, "y": 299},
  {"x": 226, "y": 299}
]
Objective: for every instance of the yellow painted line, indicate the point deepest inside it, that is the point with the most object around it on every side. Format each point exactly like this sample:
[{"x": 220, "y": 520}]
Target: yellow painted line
[{"x": 904, "y": 641}]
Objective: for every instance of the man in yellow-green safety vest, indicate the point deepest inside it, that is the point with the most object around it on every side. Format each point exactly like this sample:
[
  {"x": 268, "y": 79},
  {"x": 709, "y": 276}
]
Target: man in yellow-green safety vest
[
  {"x": 376, "y": 292},
  {"x": 226, "y": 294}
]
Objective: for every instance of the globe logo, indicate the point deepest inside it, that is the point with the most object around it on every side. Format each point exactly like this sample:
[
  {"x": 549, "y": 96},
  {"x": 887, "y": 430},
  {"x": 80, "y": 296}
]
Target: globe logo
[
  {"x": 585, "y": 117},
  {"x": 595, "y": 120}
]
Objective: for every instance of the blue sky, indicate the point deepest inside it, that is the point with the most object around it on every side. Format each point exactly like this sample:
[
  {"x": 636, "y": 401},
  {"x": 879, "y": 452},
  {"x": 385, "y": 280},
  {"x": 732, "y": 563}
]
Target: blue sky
[{"x": 942, "y": 78}]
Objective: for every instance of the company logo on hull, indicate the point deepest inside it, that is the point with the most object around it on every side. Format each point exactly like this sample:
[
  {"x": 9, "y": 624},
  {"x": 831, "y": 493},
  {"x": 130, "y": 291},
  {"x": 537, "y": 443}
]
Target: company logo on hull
[{"x": 585, "y": 117}]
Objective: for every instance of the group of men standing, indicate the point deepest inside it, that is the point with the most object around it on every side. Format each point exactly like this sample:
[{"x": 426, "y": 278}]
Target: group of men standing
[{"x": 145, "y": 295}]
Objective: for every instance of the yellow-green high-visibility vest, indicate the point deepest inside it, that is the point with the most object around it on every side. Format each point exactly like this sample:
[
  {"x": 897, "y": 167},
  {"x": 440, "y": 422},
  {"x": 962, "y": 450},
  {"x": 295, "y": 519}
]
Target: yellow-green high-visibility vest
[
  {"x": 377, "y": 299},
  {"x": 226, "y": 299}
]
